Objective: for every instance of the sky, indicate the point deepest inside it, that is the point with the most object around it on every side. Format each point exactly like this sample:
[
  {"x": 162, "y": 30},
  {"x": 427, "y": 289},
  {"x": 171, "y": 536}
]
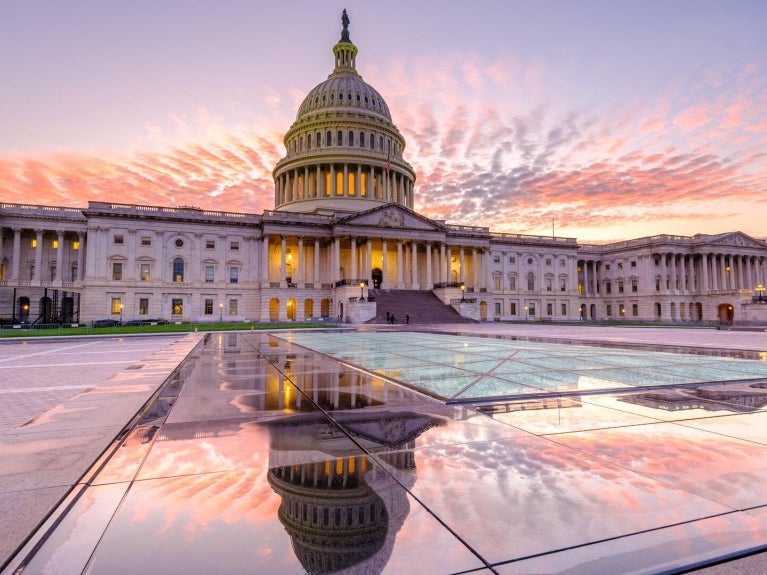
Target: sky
[{"x": 597, "y": 120}]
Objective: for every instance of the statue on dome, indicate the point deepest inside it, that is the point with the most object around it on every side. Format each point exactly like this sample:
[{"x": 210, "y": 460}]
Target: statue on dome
[{"x": 345, "y": 31}]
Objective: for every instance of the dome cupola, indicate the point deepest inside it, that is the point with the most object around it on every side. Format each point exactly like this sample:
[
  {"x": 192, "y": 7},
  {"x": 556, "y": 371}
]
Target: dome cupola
[{"x": 344, "y": 153}]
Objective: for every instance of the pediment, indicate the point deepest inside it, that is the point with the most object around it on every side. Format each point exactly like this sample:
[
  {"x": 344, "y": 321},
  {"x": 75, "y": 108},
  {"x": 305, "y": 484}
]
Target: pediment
[
  {"x": 392, "y": 216},
  {"x": 733, "y": 239}
]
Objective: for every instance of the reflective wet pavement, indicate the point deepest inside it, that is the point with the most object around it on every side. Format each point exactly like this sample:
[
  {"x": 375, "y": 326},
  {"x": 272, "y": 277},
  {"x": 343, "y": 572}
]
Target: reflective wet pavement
[{"x": 265, "y": 456}]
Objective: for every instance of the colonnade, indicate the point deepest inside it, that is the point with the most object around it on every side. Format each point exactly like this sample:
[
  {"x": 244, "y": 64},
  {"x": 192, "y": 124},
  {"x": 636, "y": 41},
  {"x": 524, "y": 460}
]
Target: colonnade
[
  {"x": 37, "y": 256},
  {"x": 344, "y": 181},
  {"x": 352, "y": 258}
]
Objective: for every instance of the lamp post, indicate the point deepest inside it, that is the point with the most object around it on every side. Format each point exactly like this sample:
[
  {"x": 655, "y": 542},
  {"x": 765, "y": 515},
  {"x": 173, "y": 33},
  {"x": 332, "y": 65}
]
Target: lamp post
[
  {"x": 362, "y": 292},
  {"x": 220, "y": 312},
  {"x": 525, "y": 313},
  {"x": 463, "y": 293},
  {"x": 760, "y": 290}
]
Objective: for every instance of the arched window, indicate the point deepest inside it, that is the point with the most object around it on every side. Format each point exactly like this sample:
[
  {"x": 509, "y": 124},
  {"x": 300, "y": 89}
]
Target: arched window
[
  {"x": 178, "y": 270},
  {"x": 351, "y": 138},
  {"x": 531, "y": 281},
  {"x": 340, "y": 141},
  {"x": 308, "y": 141},
  {"x": 362, "y": 139},
  {"x": 372, "y": 141},
  {"x": 328, "y": 141},
  {"x": 380, "y": 143},
  {"x": 319, "y": 139}
]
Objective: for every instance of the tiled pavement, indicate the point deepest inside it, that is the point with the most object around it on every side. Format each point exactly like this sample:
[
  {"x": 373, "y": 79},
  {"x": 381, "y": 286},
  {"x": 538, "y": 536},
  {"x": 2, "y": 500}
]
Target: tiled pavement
[{"x": 190, "y": 494}]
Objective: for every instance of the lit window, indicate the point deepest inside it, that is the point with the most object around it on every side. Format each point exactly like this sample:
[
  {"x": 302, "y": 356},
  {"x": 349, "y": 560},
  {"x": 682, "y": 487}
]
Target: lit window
[
  {"x": 177, "y": 306},
  {"x": 143, "y": 306},
  {"x": 34, "y": 243},
  {"x": 178, "y": 270},
  {"x": 144, "y": 272},
  {"x": 76, "y": 245},
  {"x": 116, "y": 306},
  {"x": 55, "y": 244}
]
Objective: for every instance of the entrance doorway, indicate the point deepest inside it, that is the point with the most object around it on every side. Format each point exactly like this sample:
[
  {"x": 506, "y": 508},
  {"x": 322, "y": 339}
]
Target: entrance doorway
[
  {"x": 377, "y": 277},
  {"x": 726, "y": 313}
]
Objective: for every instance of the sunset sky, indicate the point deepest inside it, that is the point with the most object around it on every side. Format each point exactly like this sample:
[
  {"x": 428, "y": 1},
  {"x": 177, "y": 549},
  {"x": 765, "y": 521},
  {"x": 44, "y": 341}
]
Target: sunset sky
[{"x": 606, "y": 119}]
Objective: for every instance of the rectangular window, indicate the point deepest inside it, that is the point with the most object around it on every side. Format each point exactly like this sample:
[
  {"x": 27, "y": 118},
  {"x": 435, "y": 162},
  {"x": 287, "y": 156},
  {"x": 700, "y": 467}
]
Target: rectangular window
[
  {"x": 177, "y": 306},
  {"x": 564, "y": 310},
  {"x": 548, "y": 284},
  {"x": 512, "y": 260},
  {"x": 144, "y": 272},
  {"x": 143, "y": 306},
  {"x": 73, "y": 277},
  {"x": 635, "y": 309},
  {"x": 117, "y": 271},
  {"x": 620, "y": 266},
  {"x": 512, "y": 282},
  {"x": 116, "y": 306},
  {"x": 609, "y": 310},
  {"x": 146, "y": 241},
  {"x": 549, "y": 309},
  {"x": 633, "y": 264},
  {"x": 232, "y": 307},
  {"x": 209, "y": 271},
  {"x": 548, "y": 261},
  {"x": 497, "y": 283},
  {"x": 513, "y": 308},
  {"x": 234, "y": 274},
  {"x": 208, "y": 307},
  {"x": 235, "y": 246},
  {"x": 607, "y": 267},
  {"x": 531, "y": 309},
  {"x": 608, "y": 287},
  {"x": 210, "y": 245},
  {"x": 496, "y": 259},
  {"x": 620, "y": 286},
  {"x": 562, "y": 263},
  {"x": 118, "y": 240},
  {"x": 53, "y": 272},
  {"x": 75, "y": 245},
  {"x": 562, "y": 284},
  {"x": 33, "y": 243},
  {"x": 634, "y": 286},
  {"x": 55, "y": 244},
  {"x": 497, "y": 308},
  {"x": 657, "y": 284}
]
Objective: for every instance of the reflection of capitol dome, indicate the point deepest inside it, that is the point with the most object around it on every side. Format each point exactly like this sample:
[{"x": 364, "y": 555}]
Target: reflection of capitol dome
[
  {"x": 343, "y": 151},
  {"x": 335, "y": 521}
]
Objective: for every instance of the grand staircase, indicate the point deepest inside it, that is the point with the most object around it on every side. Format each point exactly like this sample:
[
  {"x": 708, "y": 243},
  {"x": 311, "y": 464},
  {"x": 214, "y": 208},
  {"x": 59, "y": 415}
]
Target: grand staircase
[{"x": 420, "y": 306}]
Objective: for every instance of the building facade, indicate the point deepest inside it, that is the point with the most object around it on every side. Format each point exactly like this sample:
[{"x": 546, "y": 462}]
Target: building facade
[{"x": 344, "y": 224}]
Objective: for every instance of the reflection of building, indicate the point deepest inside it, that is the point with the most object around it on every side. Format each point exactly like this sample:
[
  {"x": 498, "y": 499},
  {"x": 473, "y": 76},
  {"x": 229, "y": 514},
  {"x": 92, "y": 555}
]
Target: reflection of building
[
  {"x": 343, "y": 513},
  {"x": 344, "y": 199},
  {"x": 734, "y": 397}
]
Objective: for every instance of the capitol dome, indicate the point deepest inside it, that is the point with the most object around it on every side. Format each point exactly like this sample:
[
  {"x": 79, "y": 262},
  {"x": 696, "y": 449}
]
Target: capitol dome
[{"x": 344, "y": 153}]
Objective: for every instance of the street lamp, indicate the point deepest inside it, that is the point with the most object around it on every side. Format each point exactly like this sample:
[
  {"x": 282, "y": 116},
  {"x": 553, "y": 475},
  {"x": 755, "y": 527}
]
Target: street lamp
[
  {"x": 362, "y": 293},
  {"x": 525, "y": 313},
  {"x": 221, "y": 312},
  {"x": 760, "y": 289},
  {"x": 463, "y": 293}
]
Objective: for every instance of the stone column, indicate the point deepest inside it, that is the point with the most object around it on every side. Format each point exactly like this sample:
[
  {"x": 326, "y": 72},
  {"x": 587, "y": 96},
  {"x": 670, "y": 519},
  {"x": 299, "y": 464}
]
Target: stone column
[
  {"x": 38, "y": 257},
  {"x": 384, "y": 273},
  {"x": 663, "y": 274},
  {"x": 346, "y": 181},
  {"x": 674, "y": 278},
  {"x": 585, "y": 277},
  {"x": 461, "y": 268},
  {"x": 317, "y": 278},
  {"x": 336, "y": 259},
  {"x": 416, "y": 284},
  {"x": 400, "y": 284},
  {"x": 265, "y": 260},
  {"x": 749, "y": 274},
  {"x": 283, "y": 260},
  {"x": 353, "y": 257},
  {"x": 16, "y": 261},
  {"x": 704, "y": 287},
  {"x": 429, "y": 282},
  {"x": 300, "y": 263},
  {"x": 441, "y": 265},
  {"x": 81, "y": 256},
  {"x": 369, "y": 262},
  {"x": 59, "y": 257}
]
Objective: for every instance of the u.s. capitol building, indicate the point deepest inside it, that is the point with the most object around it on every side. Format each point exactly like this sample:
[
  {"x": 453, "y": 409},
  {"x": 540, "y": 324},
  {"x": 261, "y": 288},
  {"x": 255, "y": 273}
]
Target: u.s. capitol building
[{"x": 344, "y": 232}]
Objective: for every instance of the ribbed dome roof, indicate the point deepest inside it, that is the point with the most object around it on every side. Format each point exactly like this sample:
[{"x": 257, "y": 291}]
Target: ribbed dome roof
[{"x": 344, "y": 89}]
